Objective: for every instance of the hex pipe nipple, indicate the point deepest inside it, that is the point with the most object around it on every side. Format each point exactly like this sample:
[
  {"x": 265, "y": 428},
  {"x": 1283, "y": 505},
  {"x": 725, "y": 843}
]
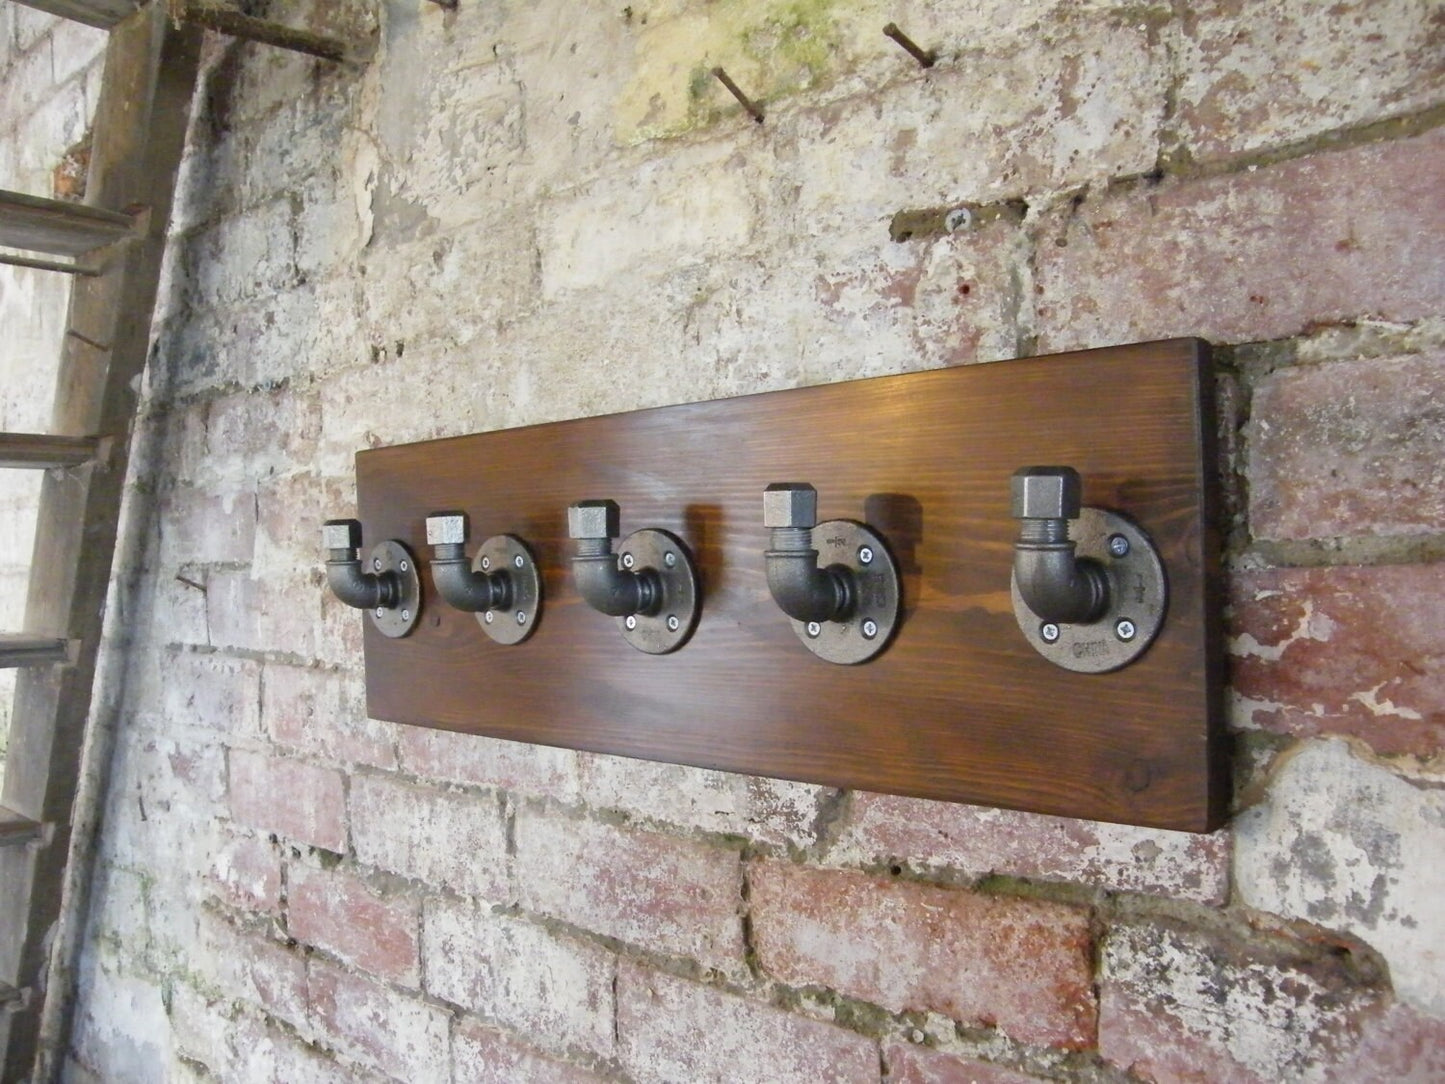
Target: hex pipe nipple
[
  {"x": 348, "y": 581},
  {"x": 601, "y": 581},
  {"x": 1053, "y": 581},
  {"x": 456, "y": 581},
  {"x": 801, "y": 589}
]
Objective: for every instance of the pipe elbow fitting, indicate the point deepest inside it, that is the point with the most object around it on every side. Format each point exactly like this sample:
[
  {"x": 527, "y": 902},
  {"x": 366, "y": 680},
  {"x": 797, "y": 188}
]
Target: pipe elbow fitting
[
  {"x": 464, "y": 588},
  {"x": 1057, "y": 585},
  {"x": 612, "y": 590},
  {"x": 804, "y": 591},
  {"x": 363, "y": 590}
]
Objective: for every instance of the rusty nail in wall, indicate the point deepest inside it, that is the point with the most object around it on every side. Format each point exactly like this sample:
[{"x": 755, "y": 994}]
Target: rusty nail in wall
[
  {"x": 926, "y": 59},
  {"x": 747, "y": 103}
]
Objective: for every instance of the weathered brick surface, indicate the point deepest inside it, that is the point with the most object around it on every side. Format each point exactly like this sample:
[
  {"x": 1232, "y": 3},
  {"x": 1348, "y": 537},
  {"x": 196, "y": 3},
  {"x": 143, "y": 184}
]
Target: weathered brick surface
[
  {"x": 907, "y": 1064},
  {"x": 885, "y": 828},
  {"x": 446, "y": 840},
  {"x": 400, "y": 1035},
  {"x": 670, "y": 1029},
  {"x": 1022, "y": 966},
  {"x": 275, "y": 614},
  {"x": 202, "y": 527},
  {"x": 555, "y": 990},
  {"x": 489, "y": 762},
  {"x": 653, "y": 891},
  {"x": 324, "y": 714},
  {"x": 1257, "y": 77},
  {"x": 247, "y": 874},
  {"x": 1177, "y": 1005},
  {"x": 482, "y": 1055},
  {"x": 340, "y": 913},
  {"x": 1354, "y": 651},
  {"x": 1350, "y": 846},
  {"x": 1350, "y": 448},
  {"x": 302, "y": 801},
  {"x": 1248, "y": 256},
  {"x": 247, "y": 965},
  {"x": 209, "y": 691}
]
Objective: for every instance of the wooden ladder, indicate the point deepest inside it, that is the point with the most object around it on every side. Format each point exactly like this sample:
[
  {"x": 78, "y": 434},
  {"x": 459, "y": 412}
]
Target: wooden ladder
[{"x": 113, "y": 246}]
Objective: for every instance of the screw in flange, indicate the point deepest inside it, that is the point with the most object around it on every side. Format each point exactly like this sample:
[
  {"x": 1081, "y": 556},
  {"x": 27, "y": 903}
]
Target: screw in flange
[
  {"x": 1125, "y": 630},
  {"x": 406, "y": 615},
  {"x": 521, "y": 617},
  {"x": 403, "y": 566},
  {"x": 380, "y": 612},
  {"x": 870, "y": 629},
  {"x": 1118, "y": 545},
  {"x": 519, "y": 560},
  {"x": 865, "y": 555},
  {"x": 815, "y": 629},
  {"x": 488, "y": 617},
  {"x": 669, "y": 559},
  {"x": 673, "y": 624},
  {"x": 628, "y": 560},
  {"x": 1049, "y": 632},
  {"x": 376, "y": 564},
  {"x": 486, "y": 563},
  {"x": 630, "y": 621}
]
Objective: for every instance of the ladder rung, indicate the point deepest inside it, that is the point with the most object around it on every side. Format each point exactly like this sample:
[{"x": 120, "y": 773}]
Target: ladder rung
[
  {"x": 57, "y": 227},
  {"x": 17, "y": 649},
  {"x": 99, "y": 13},
  {"x": 37, "y": 450},
  {"x": 15, "y": 829}
]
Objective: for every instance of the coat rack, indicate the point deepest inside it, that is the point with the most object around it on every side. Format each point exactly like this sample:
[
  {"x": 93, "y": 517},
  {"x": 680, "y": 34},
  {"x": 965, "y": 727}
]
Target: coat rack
[{"x": 932, "y": 612}]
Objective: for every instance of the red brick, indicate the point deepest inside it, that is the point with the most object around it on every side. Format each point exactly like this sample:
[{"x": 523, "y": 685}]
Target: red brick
[
  {"x": 253, "y": 967},
  {"x": 290, "y": 797},
  {"x": 247, "y": 874},
  {"x": 1181, "y": 1005},
  {"x": 489, "y": 762},
  {"x": 285, "y": 539},
  {"x": 274, "y": 613},
  {"x": 1343, "y": 650},
  {"x": 1349, "y": 448},
  {"x": 1260, "y": 76},
  {"x": 1255, "y": 255},
  {"x": 444, "y": 840},
  {"x": 1019, "y": 965},
  {"x": 1396, "y": 1044},
  {"x": 556, "y": 990},
  {"x": 400, "y": 1035},
  {"x": 654, "y": 891},
  {"x": 885, "y": 828},
  {"x": 338, "y": 912},
  {"x": 256, "y": 434},
  {"x": 261, "y": 1053},
  {"x": 324, "y": 713},
  {"x": 671, "y": 1030},
  {"x": 481, "y": 1055},
  {"x": 920, "y": 1065}
]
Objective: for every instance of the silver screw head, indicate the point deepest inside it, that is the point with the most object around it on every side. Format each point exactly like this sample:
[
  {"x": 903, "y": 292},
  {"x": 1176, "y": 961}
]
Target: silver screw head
[
  {"x": 486, "y": 563},
  {"x": 960, "y": 218},
  {"x": 376, "y": 564},
  {"x": 403, "y": 566},
  {"x": 870, "y": 629},
  {"x": 628, "y": 560},
  {"x": 488, "y": 617},
  {"x": 1125, "y": 629},
  {"x": 865, "y": 555},
  {"x": 673, "y": 624},
  {"x": 406, "y": 615},
  {"x": 630, "y": 622},
  {"x": 814, "y": 629},
  {"x": 1118, "y": 545},
  {"x": 1049, "y": 632},
  {"x": 380, "y": 612},
  {"x": 519, "y": 560},
  {"x": 521, "y": 617},
  {"x": 669, "y": 559}
]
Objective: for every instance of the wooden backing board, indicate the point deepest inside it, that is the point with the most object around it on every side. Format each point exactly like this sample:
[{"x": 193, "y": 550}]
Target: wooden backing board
[{"x": 959, "y": 707}]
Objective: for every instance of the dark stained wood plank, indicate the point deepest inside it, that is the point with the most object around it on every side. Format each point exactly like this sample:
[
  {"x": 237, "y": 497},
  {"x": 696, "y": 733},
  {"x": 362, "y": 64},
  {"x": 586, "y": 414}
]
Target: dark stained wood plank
[
  {"x": 141, "y": 119},
  {"x": 99, "y": 13},
  {"x": 42, "y": 451},
  {"x": 58, "y": 227},
  {"x": 959, "y": 707},
  {"x": 226, "y": 19}
]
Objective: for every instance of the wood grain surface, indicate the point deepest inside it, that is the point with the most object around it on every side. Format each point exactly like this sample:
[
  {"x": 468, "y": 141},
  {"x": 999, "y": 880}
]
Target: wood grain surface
[{"x": 959, "y": 707}]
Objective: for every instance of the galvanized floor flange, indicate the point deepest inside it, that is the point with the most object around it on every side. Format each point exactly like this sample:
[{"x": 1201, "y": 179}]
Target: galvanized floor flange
[
  {"x": 396, "y": 621},
  {"x": 508, "y": 553},
  {"x": 1138, "y": 599},
  {"x": 841, "y": 542},
  {"x": 674, "y": 621}
]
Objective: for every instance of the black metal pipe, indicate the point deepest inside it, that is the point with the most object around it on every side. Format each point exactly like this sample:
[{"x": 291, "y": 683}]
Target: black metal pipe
[
  {"x": 801, "y": 589},
  {"x": 463, "y": 587},
  {"x": 609, "y": 588},
  {"x": 364, "y": 590},
  {"x": 1056, "y": 584}
]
